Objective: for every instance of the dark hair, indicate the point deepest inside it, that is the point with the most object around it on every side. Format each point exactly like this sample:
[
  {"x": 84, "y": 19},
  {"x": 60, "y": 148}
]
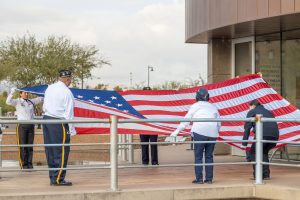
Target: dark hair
[
  {"x": 21, "y": 91},
  {"x": 202, "y": 95},
  {"x": 254, "y": 102}
]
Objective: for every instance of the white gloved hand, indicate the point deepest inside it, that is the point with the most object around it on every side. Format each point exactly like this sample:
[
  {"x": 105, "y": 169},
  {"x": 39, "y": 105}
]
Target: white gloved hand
[
  {"x": 73, "y": 133},
  {"x": 170, "y": 139},
  {"x": 12, "y": 90},
  {"x": 175, "y": 133},
  {"x": 72, "y": 130}
]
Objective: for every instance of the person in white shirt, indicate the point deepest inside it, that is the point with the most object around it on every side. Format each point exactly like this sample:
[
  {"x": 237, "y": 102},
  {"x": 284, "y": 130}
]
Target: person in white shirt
[
  {"x": 25, "y": 132},
  {"x": 58, "y": 104},
  {"x": 202, "y": 131}
]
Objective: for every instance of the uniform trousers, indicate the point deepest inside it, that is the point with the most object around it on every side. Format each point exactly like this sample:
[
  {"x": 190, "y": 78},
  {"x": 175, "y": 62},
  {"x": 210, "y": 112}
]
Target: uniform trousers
[
  {"x": 25, "y": 135},
  {"x": 57, "y": 156},
  {"x": 266, "y": 148},
  {"x": 145, "y": 149}
]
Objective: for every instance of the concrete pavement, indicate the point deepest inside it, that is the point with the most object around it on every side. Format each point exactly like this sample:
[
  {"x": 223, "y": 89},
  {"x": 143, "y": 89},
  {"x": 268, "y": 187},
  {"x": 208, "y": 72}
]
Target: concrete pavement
[{"x": 230, "y": 182}]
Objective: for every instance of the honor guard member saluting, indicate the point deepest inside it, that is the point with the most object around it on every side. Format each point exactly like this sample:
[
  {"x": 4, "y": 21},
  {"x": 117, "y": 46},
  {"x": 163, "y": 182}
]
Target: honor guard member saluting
[
  {"x": 25, "y": 132},
  {"x": 202, "y": 131},
  {"x": 58, "y": 104}
]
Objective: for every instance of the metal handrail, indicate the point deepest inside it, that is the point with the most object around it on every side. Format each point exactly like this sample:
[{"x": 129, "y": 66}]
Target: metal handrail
[
  {"x": 119, "y": 144},
  {"x": 54, "y": 121},
  {"x": 114, "y": 145}
]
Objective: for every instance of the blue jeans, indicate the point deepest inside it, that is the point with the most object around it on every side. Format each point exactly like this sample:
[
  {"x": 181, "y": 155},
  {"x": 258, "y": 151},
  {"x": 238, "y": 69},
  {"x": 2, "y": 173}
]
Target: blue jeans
[{"x": 208, "y": 149}]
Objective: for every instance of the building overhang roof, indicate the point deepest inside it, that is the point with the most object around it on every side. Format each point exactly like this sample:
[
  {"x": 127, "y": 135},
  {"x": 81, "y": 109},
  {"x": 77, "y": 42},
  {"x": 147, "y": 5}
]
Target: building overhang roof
[{"x": 250, "y": 28}]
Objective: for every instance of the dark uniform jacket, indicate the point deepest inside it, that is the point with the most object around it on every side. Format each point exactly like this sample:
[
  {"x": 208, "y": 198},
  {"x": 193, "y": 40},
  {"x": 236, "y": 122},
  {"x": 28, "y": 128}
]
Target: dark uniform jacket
[{"x": 270, "y": 129}]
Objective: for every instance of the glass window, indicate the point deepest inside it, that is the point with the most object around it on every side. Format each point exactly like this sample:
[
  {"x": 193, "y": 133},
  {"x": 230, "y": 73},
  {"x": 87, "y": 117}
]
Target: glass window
[
  {"x": 268, "y": 59},
  {"x": 291, "y": 66},
  {"x": 243, "y": 56}
]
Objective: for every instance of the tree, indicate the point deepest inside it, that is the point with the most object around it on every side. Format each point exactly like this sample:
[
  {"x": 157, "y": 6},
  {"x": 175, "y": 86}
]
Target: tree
[
  {"x": 27, "y": 62},
  {"x": 20, "y": 60},
  {"x": 101, "y": 86},
  {"x": 5, "y": 108},
  {"x": 138, "y": 86},
  {"x": 84, "y": 61},
  {"x": 57, "y": 53},
  {"x": 118, "y": 88},
  {"x": 173, "y": 85}
]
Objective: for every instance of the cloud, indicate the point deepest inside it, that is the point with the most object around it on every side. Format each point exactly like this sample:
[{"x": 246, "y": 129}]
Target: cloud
[{"x": 131, "y": 34}]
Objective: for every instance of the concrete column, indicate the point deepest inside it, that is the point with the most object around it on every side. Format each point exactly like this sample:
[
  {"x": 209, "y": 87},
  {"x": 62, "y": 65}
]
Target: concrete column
[
  {"x": 219, "y": 69},
  {"x": 219, "y": 60}
]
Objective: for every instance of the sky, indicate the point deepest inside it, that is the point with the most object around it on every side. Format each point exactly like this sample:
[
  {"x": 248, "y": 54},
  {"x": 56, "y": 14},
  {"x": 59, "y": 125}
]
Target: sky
[{"x": 131, "y": 34}]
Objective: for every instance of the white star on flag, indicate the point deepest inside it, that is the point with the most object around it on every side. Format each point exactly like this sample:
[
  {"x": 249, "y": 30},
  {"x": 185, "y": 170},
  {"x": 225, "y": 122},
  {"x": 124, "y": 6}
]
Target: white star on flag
[
  {"x": 96, "y": 97},
  {"x": 113, "y": 97},
  {"x": 107, "y": 101},
  {"x": 79, "y": 96},
  {"x": 119, "y": 105}
]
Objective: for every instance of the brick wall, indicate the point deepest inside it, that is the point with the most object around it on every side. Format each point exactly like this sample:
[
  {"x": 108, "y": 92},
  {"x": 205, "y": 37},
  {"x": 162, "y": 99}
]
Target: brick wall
[{"x": 77, "y": 154}]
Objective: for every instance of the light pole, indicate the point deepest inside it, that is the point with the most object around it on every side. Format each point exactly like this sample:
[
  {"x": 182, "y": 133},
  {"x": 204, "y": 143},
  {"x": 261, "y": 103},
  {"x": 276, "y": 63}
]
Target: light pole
[
  {"x": 130, "y": 79},
  {"x": 149, "y": 69}
]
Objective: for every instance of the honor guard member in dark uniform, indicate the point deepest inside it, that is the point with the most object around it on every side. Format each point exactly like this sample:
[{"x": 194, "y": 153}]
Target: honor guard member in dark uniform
[
  {"x": 145, "y": 147},
  {"x": 58, "y": 104},
  {"x": 25, "y": 132},
  {"x": 270, "y": 132}
]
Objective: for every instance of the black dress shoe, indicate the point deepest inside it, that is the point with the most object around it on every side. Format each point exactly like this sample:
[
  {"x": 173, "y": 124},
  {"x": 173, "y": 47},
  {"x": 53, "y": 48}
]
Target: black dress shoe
[
  {"x": 155, "y": 164},
  {"x": 30, "y": 167},
  {"x": 62, "y": 183},
  {"x": 208, "y": 181},
  {"x": 197, "y": 181}
]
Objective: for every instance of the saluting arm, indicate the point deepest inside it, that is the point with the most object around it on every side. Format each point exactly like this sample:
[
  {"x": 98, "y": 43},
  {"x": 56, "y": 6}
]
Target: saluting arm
[{"x": 10, "y": 100}]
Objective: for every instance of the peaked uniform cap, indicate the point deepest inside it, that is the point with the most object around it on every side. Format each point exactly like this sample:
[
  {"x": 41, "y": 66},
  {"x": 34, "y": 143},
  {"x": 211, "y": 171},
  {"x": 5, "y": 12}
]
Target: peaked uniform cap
[{"x": 65, "y": 73}]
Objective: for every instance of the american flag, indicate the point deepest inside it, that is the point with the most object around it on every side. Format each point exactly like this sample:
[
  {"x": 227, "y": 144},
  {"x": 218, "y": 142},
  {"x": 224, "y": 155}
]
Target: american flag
[{"x": 231, "y": 97}]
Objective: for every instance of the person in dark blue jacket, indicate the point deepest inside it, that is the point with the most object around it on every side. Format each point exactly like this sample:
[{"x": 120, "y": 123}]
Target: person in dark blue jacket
[{"x": 270, "y": 132}]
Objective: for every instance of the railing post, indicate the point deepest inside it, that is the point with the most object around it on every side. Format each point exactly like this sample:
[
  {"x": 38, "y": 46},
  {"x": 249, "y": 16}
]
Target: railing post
[
  {"x": 259, "y": 150},
  {"x": 124, "y": 147},
  {"x": 120, "y": 149},
  {"x": 0, "y": 150},
  {"x": 113, "y": 153},
  {"x": 1, "y": 140},
  {"x": 130, "y": 149}
]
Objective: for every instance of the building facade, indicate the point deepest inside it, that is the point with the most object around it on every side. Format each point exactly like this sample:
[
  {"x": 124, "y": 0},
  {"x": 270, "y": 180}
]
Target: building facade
[{"x": 249, "y": 36}]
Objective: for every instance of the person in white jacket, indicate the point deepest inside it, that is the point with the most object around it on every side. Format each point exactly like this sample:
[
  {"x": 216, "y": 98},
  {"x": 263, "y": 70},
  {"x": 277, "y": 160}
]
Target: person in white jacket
[
  {"x": 202, "y": 131},
  {"x": 25, "y": 132}
]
